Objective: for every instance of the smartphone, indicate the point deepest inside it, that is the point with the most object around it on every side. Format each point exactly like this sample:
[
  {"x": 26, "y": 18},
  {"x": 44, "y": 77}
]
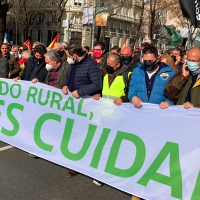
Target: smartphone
[{"x": 174, "y": 58}]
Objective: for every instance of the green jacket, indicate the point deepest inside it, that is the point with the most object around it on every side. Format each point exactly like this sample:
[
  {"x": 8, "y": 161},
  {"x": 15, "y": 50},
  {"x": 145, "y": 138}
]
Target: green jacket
[
  {"x": 4, "y": 68},
  {"x": 14, "y": 67},
  {"x": 177, "y": 89},
  {"x": 61, "y": 76}
]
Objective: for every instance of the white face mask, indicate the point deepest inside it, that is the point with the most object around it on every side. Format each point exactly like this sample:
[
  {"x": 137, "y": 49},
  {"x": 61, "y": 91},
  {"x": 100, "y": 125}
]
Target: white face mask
[
  {"x": 48, "y": 67},
  {"x": 70, "y": 61}
]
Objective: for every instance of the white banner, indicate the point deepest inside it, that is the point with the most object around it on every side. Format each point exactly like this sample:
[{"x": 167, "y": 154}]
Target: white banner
[{"x": 148, "y": 152}]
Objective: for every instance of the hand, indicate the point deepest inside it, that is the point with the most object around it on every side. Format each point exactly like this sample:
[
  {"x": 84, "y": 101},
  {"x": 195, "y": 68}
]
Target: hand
[
  {"x": 65, "y": 90},
  {"x": 35, "y": 80},
  {"x": 164, "y": 105},
  {"x": 136, "y": 102},
  {"x": 96, "y": 97},
  {"x": 178, "y": 60},
  {"x": 9, "y": 75},
  {"x": 185, "y": 71},
  {"x": 16, "y": 79},
  {"x": 75, "y": 94},
  {"x": 188, "y": 105},
  {"x": 118, "y": 102}
]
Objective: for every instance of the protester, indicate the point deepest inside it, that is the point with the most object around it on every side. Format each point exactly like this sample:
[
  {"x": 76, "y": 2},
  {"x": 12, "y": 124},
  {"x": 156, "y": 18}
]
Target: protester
[
  {"x": 99, "y": 55},
  {"x": 143, "y": 46},
  {"x": 176, "y": 55},
  {"x": 184, "y": 58},
  {"x": 83, "y": 77},
  {"x": 129, "y": 59},
  {"x": 35, "y": 65},
  {"x": 184, "y": 87},
  {"x": 14, "y": 67},
  {"x": 15, "y": 51},
  {"x": 24, "y": 57},
  {"x": 169, "y": 60},
  {"x": 116, "y": 50},
  {"x": 57, "y": 70},
  {"x": 86, "y": 49},
  {"x": 59, "y": 48},
  {"x": 115, "y": 82},
  {"x": 149, "y": 79},
  {"x": 64, "y": 45},
  {"x": 4, "y": 67}
]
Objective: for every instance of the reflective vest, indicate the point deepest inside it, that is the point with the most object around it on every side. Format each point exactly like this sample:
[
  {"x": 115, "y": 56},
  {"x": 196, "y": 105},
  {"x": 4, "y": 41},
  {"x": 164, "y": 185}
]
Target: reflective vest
[{"x": 116, "y": 89}]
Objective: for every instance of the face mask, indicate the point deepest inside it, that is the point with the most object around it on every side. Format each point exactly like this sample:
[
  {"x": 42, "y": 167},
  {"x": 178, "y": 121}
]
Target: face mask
[
  {"x": 20, "y": 51},
  {"x": 149, "y": 66},
  {"x": 126, "y": 59},
  {"x": 192, "y": 66},
  {"x": 58, "y": 51},
  {"x": 49, "y": 67},
  {"x": 40, "y": 60},
  {"x": 70, "y": 61},
  {"x": 109, "y": 69},
  {"x": 97, "y": 54}
]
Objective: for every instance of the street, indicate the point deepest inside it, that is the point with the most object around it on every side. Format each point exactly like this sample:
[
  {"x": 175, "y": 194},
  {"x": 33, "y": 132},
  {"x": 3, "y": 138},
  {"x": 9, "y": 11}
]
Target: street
[{"x": 25, "y": 178}]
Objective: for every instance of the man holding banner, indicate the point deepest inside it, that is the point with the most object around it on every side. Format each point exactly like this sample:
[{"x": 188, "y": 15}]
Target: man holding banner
[
  {"x": 148, "y": 81},
  {"x": 184, "y": 87}
]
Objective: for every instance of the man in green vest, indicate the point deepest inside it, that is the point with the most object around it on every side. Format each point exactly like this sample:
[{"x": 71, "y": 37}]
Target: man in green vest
[{"x": 115, "y": 81}]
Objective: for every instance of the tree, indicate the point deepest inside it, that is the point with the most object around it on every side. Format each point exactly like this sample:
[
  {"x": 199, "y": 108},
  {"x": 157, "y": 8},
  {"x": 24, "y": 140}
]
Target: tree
[{"x": 3, "y": 14}]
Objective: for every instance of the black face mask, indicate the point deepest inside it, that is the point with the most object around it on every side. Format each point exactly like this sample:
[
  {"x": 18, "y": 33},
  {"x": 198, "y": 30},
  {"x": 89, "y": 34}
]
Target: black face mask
[
  {"x": 149, "y": 65},
  {"x": 40, "y": 60},
  {"x": 109, "y": 69},
  {"x": 126, "y": 59}
]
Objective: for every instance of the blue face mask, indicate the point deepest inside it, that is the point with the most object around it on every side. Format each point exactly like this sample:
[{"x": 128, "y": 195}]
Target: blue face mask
[{"x": 192, "y": 66}]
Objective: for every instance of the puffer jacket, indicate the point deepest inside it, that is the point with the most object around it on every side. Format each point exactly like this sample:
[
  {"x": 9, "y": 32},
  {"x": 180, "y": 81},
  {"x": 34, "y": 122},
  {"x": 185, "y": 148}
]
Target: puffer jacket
[{"x": 137, "y": 86}]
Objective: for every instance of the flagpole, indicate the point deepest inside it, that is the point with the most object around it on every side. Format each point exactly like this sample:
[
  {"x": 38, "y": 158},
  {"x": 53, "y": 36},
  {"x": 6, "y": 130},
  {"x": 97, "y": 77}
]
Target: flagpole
[
  {"x": 93, "y": 25},
  {"x": 189, "y": 36}
]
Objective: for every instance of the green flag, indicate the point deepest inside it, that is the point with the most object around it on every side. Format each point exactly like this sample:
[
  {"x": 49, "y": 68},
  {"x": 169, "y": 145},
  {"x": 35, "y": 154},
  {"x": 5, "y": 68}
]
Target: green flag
[
  {"x": 175, "y": 37},
  {"x": 196, "y": 41}
]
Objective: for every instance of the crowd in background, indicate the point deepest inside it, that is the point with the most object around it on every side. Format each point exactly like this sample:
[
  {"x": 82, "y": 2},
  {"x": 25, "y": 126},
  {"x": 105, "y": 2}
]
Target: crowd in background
[{"x": 141, "y": 75}]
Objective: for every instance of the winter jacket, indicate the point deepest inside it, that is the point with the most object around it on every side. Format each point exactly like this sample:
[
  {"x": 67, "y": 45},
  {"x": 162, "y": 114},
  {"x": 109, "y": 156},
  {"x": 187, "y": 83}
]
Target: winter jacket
[
  {"x": 14, "y": 67},
  {"x": 41, "y": 73},
  {"x": 134, "y": 63},
  {"x": 61, "y": 76},
  {"x": 4, "y": 67},
  {"x": 137, "y": 86},
  {"x": 177, "y": 89},
  {"x": 87, "y": 77}
]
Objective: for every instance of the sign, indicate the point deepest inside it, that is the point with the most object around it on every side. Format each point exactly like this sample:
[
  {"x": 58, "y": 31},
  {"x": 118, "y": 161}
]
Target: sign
[
  {"x": 88, "y": 15},
  {"x": 149, "y": 152},
  {"x": 101, "y": 16}
]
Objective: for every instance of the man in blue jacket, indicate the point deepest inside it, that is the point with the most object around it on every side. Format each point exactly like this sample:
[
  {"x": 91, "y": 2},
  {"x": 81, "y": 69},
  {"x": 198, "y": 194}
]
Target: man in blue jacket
[
  {"x": 83, "y": 76},
  {"x": 149, "y": 79}
]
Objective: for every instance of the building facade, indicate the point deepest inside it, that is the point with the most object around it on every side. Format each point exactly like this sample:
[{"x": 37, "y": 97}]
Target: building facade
[{"x": 123, "y": 23}]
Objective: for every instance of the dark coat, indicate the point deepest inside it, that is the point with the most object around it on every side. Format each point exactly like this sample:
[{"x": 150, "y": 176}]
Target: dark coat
[
  {"x": 87, "y": 78},
  {"x": 61, "y": 76},
  {"x": 28, "y": 70},
  {"x": 4, "y": 67}
]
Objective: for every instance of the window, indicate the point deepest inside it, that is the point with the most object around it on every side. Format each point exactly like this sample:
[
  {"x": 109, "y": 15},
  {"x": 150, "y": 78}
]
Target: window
[{"x": 77, "y": 2}]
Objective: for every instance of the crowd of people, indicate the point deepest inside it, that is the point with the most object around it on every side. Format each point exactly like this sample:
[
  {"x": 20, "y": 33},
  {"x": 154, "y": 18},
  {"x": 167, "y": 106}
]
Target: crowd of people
[{"x": 141, "y": 75}]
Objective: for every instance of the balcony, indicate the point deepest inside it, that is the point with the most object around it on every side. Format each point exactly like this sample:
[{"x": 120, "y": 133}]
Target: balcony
[
  {"x": 112, "y": 30},
  {"x": 120, "y": 31},
  {"x": 127, "y": 32}
]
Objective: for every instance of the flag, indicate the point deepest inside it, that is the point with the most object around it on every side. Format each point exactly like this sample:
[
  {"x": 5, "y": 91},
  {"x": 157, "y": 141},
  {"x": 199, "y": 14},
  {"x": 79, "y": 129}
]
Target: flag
[
  {"x": 123, "y": 43},
  {"x": 28, "y": 44},
  {"x": 175, "y": 37},
  {"x": 54, "y": 40},
  {"x": 5, "y": 40},
  {"x": 101, "y": 16},
  {"x": 191, "y": 11},
  {"x": 196, "y": 41}
]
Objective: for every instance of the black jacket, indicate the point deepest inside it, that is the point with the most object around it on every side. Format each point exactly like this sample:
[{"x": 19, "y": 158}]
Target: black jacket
[
  {"x": 41, "y": 72},
  {"x": 87, "y": 78}
]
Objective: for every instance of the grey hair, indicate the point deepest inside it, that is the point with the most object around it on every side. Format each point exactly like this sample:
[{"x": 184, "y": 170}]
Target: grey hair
[
  {"x": 59, "y": 45},
  {"x": 53, "y": 55},
  {"x": 27, "y": 53},
  {"x": 64, "y": 45}
]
